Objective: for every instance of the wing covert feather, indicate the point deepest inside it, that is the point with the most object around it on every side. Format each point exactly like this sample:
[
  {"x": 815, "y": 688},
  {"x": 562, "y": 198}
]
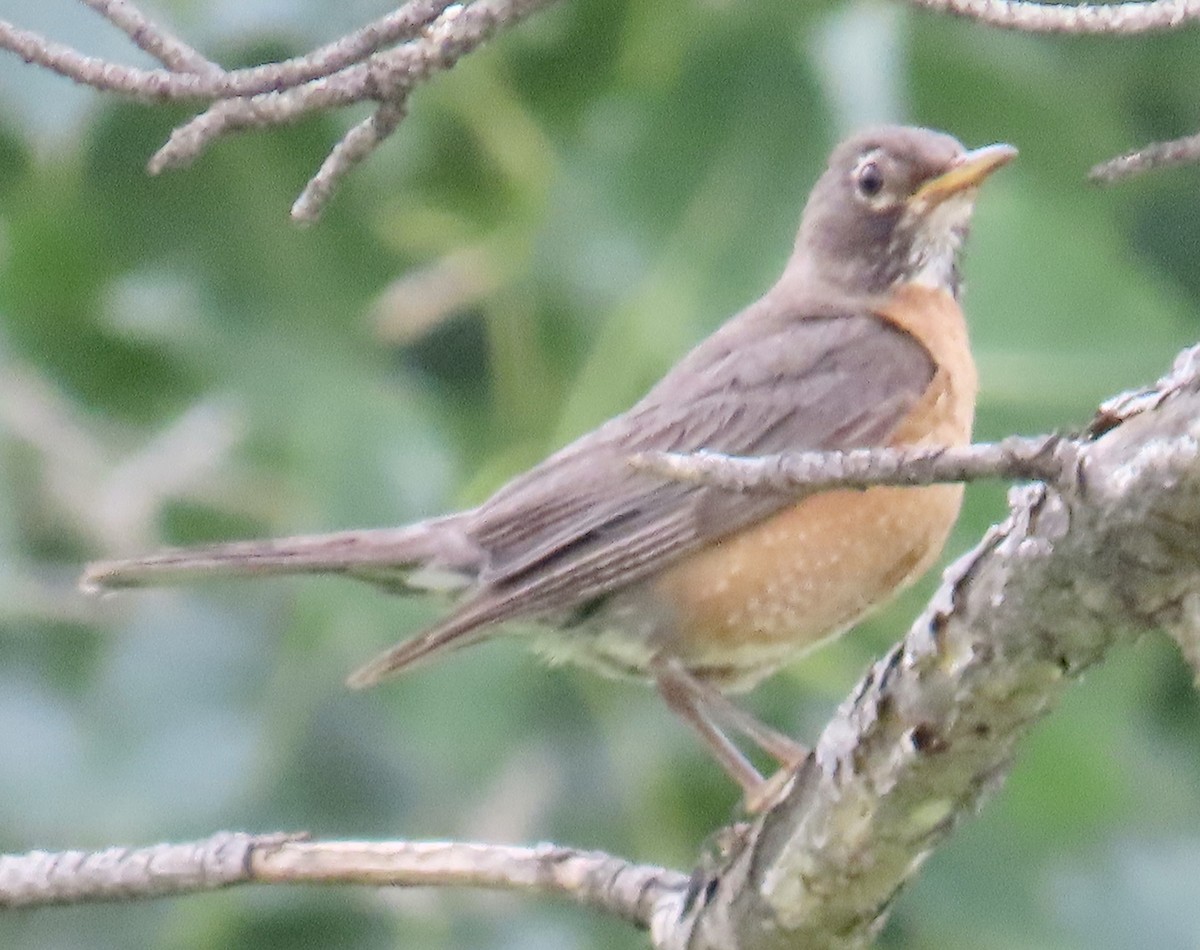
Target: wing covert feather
[{"x": 585, "y": 522}]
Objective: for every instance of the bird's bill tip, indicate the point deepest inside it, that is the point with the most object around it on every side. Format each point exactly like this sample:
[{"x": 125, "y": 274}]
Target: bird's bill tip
[{"x": 967, "y": 171}]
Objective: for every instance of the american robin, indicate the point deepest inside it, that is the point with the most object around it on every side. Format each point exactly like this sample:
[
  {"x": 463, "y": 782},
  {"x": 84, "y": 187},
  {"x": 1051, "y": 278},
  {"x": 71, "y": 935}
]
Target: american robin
[{"x": 704, "y": 591}]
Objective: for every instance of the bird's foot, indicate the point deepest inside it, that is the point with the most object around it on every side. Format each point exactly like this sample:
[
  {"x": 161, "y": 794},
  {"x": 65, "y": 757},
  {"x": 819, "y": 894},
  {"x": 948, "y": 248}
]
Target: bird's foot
[{"x": 769, "y": 792}]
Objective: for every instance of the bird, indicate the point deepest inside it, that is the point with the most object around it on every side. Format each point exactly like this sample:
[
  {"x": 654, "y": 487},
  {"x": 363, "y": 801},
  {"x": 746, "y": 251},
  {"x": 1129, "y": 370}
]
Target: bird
[{"x": 704, "y": 591}]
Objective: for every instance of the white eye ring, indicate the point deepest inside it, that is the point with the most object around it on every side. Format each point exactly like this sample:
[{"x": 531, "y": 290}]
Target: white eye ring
[{"x": 868, "y": 179}]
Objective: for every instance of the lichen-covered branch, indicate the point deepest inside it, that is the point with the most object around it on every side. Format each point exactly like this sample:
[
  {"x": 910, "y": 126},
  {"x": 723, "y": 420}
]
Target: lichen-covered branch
[{"x": 933, "y": 728}]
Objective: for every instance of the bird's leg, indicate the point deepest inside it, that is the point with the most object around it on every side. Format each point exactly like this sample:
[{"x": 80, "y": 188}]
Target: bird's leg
[
  {"x": 698, "y": 703},
  {"x": 683, "y": 702},
  {"x": 781, "y": 747}
]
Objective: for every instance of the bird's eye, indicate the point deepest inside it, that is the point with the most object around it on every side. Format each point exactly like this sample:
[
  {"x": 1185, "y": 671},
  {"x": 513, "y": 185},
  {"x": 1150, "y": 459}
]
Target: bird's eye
[{"x": 869, "y": 179}]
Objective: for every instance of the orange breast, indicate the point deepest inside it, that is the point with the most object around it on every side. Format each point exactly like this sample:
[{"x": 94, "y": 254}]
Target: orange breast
[{"x": 750, "y": 602}]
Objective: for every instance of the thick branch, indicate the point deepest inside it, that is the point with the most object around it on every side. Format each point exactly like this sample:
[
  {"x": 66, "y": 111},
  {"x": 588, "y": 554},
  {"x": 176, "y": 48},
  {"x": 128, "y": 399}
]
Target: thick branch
[{"x": 933, "y": 728}]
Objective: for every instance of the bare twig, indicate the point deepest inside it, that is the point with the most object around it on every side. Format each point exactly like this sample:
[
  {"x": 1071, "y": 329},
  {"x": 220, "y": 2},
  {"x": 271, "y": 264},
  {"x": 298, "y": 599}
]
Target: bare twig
[
  {"x": 86, "y": 70},
  {"x": 189, "y": 83},
  {"x": 1042, "y": 458},
  {"x": 168, "y": 49},
  {"x": 591, "y": 878},
  {"x": 1157, "y": 155},
  {"x": 405, "y": 23},
  {"x": 354, "y": 147},
  {"x": 386, "y": 77},
  {"x": 379, "y": 63},
  {"x": 1080, "y": 19},
  {"x": 186, "y": 142}
]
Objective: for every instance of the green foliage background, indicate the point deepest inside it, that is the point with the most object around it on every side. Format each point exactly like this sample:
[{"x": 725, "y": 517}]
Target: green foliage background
[{"x": 179, "y": 363}]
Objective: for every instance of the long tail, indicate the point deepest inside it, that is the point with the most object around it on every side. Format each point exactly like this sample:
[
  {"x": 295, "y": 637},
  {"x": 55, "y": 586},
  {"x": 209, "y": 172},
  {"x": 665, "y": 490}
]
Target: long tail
[{"x": 382, "y": 555}]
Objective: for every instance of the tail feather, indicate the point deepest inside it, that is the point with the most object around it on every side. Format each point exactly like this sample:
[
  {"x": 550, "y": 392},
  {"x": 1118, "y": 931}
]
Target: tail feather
[
  {"x": 451, "y": 634},
  {"x": 437, "y": 544}
]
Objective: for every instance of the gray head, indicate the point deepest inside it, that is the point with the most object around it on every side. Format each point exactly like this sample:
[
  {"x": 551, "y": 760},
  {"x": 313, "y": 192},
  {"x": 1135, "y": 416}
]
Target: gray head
[{"x": 894, "y": 205}]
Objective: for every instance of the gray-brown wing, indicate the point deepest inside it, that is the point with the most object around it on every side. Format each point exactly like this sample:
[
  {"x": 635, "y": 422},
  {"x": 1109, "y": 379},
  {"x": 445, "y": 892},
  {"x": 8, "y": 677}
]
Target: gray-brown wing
[{"x": 585, "y": 523}]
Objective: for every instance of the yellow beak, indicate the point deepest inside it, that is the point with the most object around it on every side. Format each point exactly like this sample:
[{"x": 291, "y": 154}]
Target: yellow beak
[{"x": 967, "y": 171}]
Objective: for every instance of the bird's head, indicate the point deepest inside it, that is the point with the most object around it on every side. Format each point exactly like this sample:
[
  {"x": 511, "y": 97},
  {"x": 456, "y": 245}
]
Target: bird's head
[{"x": 894, "y": 206}]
